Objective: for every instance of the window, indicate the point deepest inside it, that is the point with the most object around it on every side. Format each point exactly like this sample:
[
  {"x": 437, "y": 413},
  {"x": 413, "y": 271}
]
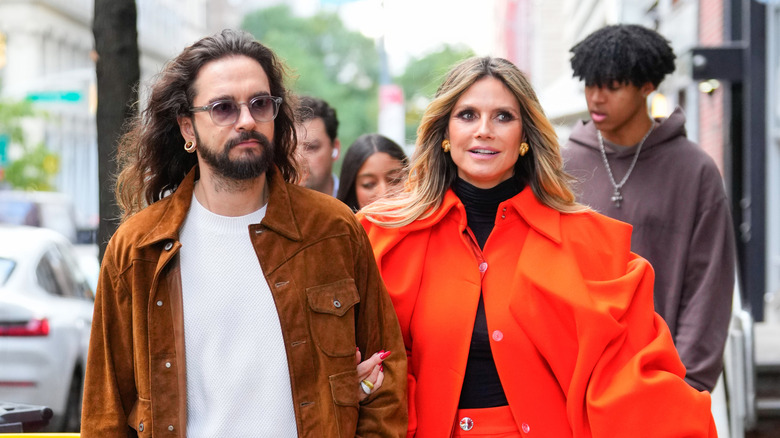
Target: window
[
  {"x": 6, "y": 267},
  {"x": 47, "y": 278}
]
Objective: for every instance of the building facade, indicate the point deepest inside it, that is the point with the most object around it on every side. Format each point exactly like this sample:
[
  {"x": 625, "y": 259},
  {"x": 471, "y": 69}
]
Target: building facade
[{"x": 50, "y": 60}]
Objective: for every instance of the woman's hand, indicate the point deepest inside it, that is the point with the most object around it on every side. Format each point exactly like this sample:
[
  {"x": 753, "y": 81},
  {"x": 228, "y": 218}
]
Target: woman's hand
[{"x": 370, "y": 373}]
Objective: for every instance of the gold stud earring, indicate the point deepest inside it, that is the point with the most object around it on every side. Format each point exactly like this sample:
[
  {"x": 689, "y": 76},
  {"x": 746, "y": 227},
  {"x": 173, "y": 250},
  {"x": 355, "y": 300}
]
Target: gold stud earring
[
  {"x": 446, "y": 145},
  {"x": 189, "y": 147},
  {"x": 523, "y": 149}
]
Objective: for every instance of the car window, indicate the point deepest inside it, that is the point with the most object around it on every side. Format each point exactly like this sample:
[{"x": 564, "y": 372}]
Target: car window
[
  {"x": 63, "y": 274},
  {"x": 47, "y": 279},
  {"x": 76, "y": 277},
  {"x": 6, "y": 266}
]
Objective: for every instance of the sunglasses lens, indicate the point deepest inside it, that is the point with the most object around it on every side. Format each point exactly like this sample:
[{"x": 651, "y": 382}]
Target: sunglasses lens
[
  {"x": 224, "y": 113},
  {"x": 263, "y": 108}
]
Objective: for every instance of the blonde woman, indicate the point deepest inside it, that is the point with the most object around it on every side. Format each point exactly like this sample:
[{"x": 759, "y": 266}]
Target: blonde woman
[{"x": 523, "y": 313}]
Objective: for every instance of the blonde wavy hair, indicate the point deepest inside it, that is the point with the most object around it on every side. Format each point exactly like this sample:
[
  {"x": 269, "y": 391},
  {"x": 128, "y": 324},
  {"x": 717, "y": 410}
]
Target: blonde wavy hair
[{"x": 432, "y": 172}]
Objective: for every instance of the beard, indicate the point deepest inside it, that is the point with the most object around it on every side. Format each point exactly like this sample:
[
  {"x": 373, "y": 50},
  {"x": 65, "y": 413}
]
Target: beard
[{"x": 248, "y": 166}]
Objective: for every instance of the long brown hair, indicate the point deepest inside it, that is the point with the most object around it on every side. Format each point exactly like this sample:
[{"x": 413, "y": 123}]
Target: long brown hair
[
  {"x": 432, "y": 171},
  {"x": 151, "y": 157}
]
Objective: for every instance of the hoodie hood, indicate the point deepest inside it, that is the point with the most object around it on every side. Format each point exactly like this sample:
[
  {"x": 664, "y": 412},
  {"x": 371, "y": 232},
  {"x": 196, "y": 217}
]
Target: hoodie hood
[{"x": 584, "y": 133}]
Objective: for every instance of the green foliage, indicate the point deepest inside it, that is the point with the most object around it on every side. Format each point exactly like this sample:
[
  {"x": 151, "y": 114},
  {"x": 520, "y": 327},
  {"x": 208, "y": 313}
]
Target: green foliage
[
  {"x": 326, "y": 60},
  {"x": 34, "y": 170},
  {"x": 11, "y": 114},
  {"x": 421, "y": 79},
  {"x": 36, "y": 167},
  {"x": 342, "y": 66}
]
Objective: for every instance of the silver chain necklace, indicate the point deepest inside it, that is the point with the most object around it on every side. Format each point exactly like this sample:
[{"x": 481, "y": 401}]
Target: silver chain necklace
[{"x": 617, "y": 196}]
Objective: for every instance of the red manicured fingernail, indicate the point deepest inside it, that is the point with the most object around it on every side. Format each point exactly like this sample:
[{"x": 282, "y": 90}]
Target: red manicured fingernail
[
  {"x": 381, "y": 367},
  {"x": 384, "y": 355}
]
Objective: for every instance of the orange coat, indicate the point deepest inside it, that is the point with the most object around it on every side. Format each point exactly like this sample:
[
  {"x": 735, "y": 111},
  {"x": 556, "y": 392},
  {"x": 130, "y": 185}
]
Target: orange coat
[{"x": 578, "y": 347}]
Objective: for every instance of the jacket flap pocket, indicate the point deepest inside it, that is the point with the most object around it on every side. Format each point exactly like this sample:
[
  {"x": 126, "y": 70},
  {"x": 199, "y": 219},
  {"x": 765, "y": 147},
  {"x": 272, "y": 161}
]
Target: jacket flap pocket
[
  {"x": 140, "y": 417},
  {"x": 334, "y": 298},
  {"x": 343, "y": 387}
]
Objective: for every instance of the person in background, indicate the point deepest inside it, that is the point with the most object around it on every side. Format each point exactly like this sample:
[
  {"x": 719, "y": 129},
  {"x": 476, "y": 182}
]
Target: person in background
[
  {"x": 373, "y": 166},
  {"x": 645, "y": 171},
  {"x": 232, "y": 302},
  {"x": 317, "y": 131},
  {"x": 523, "y": 313}
]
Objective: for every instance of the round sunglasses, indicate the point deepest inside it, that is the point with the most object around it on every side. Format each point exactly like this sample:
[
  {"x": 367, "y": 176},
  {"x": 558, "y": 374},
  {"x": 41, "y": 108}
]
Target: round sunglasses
[{"x": 226, "y": 112}]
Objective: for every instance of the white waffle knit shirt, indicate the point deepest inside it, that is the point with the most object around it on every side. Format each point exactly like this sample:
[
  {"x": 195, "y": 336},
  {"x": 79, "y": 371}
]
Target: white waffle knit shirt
[{"x": 238, "y": 382}]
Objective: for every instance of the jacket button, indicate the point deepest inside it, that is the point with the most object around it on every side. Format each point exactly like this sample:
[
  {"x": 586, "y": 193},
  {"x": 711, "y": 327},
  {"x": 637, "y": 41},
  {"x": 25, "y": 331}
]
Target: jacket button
[
  {"x": 466, "y": 423},
  {"x": 168, "y": 246},
  {"x": 526, "y": 428},
  {"x": 498, "y": 335},
  {"x": 170, "y": 427},
  {"x": 336, "y": 303},
  {"x": 483, "y": 267},
  {"x": 141, "y": 427},
  {"x": 159, "y": 304},
  {"x": 168, "y": 364}
]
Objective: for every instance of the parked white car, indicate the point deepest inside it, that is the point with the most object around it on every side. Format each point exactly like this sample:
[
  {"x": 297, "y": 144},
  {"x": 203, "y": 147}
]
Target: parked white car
[{"x": 45, "y": 318}]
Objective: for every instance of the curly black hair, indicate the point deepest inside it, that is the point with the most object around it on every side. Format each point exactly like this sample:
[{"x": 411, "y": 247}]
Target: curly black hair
[{"x": 622, "y": 53}]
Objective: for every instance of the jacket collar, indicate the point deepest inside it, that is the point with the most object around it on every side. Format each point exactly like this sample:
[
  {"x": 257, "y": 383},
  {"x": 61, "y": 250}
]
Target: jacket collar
[
  {"x": 174, "y": 211},
  {"x": 544, "y": 220},
  {"x": 279, "y": 214}
]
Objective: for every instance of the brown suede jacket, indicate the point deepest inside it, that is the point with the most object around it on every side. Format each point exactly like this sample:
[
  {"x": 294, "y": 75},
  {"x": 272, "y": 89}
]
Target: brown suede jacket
[{"x": 319, "y": 265}]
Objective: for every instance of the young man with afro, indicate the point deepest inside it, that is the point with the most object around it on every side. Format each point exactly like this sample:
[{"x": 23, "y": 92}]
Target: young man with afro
[{"x": 645, "y": 171}]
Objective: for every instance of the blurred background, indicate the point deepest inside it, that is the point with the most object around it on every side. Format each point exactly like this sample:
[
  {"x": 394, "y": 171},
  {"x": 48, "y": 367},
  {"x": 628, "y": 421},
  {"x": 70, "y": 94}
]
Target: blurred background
[{"x": 378, "y": 63}]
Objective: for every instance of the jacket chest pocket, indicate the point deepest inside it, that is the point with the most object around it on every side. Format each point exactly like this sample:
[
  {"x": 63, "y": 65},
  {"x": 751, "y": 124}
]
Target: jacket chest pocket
[{"x": 332, "y": 316}]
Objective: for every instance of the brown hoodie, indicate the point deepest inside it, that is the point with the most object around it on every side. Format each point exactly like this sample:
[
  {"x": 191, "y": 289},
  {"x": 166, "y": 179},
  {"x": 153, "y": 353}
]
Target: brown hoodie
[{"x": 675, "y": 200}]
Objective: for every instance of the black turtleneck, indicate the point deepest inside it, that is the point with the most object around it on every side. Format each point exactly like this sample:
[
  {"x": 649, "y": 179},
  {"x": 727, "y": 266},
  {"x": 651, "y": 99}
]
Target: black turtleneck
[{"x": 481, "y": 385}]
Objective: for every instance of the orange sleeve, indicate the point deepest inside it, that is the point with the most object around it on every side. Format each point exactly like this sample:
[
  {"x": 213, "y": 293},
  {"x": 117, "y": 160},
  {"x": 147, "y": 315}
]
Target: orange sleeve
[{"x": 635, "y": 385}]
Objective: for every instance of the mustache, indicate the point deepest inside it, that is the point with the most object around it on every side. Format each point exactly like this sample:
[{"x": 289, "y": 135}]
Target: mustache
[{"x": 248, "y": 135}]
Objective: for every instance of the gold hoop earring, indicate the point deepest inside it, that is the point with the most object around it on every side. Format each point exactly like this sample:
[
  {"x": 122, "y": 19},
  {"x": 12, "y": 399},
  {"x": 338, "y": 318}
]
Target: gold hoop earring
[
  {"x": 189, "y": 147},
  {"x": 446, "y": 145},
  {"x": 523, "y": 149}
]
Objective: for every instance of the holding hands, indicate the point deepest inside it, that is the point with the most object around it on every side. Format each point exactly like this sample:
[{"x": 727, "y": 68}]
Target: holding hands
[{"x": 370, "y": 373}]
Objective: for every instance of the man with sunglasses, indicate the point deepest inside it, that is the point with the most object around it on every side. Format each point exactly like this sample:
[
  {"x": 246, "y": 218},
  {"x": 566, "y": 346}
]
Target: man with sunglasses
[{"x": 231, "y": 301}]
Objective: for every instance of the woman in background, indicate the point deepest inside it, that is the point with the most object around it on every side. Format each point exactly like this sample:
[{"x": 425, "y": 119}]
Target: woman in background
[
  {"x": 373, "y": 166},
  {"x": 523, "y": 313}
]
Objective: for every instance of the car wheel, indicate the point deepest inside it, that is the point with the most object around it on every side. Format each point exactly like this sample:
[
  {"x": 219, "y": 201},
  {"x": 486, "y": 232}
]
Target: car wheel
[{"x": 71, "y": 421}]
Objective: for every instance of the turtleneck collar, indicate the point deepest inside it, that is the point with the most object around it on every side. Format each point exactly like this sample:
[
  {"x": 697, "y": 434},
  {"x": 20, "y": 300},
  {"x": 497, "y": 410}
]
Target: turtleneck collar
[{"x": 482, "y": 204}]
